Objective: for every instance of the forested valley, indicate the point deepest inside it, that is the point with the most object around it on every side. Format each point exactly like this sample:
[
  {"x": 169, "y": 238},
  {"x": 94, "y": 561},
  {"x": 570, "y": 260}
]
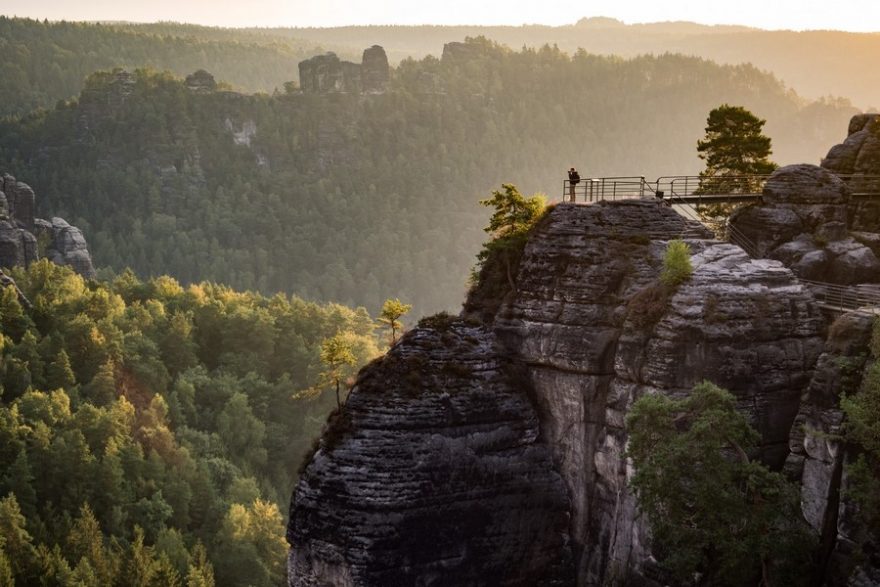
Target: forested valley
[
  {"x": 353, "y": 198},
  {"x": 150, "y": 434}
]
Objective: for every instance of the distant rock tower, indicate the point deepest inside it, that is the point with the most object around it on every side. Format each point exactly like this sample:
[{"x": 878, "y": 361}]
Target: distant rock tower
[
  {"x": 375, "y": 72},
  {"x": 327, "y": 74}
]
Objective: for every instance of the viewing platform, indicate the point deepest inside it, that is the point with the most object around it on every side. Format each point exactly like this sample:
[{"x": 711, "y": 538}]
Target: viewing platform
[{"x": 695, "y": 190}]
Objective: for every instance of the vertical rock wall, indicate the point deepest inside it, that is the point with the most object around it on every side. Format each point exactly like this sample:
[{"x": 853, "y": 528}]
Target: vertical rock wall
[
  {"x": 583, "y": 321},
  {"x": 433, "y": 474}
]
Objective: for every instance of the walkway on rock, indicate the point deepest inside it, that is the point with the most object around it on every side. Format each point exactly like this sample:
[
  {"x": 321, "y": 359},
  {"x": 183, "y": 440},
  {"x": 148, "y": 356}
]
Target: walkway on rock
[{"x": 683, "y": 193}]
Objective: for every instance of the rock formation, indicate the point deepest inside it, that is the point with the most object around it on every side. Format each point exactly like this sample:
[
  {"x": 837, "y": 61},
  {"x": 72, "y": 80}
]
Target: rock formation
[
  {"x": 201, "y": 82},
  {"x": 433, "y": 474},
  {"x": 804, "y": 221},
  {"x": 326, "y": 74},
  {"x": 818, "y": 454},
  {"x": 106, "y": 93},
  {"x": 375, "y": 72},
  {"x": 20, "y": 233},
  {"x": 66, "y": 245},
  {"x": 588, "y": 331},
  {"x": 857, "y": 159}
]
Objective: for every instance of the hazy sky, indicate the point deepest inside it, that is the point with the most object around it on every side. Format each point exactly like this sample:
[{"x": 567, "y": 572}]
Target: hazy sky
[{"x": 853, "y": 15}]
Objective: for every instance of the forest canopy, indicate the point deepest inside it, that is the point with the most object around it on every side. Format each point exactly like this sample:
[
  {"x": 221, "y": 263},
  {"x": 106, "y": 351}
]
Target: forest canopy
[{"x": 150, "y": 430}]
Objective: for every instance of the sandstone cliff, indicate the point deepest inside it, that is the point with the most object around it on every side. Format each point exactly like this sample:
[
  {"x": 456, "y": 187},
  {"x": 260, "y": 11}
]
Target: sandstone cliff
[
  {"x": 586, "y": 334},
  {"x": 20, "y": 233}
]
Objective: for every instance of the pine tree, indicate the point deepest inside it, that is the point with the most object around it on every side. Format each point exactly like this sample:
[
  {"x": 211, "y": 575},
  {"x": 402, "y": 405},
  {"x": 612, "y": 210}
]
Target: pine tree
[
  {"x": 59, "y": 374},
  {"x": 733, "y": 146}
]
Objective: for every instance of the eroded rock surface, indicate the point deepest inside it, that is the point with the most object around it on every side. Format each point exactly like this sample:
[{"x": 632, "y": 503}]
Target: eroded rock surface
[
  {"x": 433, "y": 474},
  {"x": 66, "y": 245},
  {"x": 19, "y": 230},
  {"x": 857, "y": 159},
  {"x": 588, "y": 331},
  {"x": 595, "y": 340},
  {"x": 804, "y": 221},
  {"x": 819, "y": 456}
]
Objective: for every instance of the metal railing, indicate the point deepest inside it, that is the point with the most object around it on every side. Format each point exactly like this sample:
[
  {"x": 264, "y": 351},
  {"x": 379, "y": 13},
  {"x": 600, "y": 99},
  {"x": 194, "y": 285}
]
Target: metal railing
[
  {"x": 694, "y": 188},
  {"x": 845, "y": 298}
]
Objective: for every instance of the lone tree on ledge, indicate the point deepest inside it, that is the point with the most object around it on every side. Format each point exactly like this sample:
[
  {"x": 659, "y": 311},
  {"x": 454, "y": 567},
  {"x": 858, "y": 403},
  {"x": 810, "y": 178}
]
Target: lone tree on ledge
[
  {"x": 733, "y": 145},
  {"x": 392, "y": 311}
]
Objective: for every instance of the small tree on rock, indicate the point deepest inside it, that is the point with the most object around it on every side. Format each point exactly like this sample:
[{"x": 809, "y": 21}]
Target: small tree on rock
[
  {"x": 509, "y": 226},
  {"x": 392, "y": 311},
  {"x": 337, "y": 356},
  {"x": 734, "y": 145}
]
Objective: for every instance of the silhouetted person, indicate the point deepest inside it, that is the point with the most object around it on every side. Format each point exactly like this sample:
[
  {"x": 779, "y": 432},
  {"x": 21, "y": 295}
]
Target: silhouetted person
[{"x": 574, "y": 178}]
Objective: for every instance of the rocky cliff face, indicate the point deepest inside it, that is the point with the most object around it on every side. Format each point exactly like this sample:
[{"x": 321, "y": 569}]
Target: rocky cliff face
[
  {"x": 433, "y": 473},
  {"x": 20, "y": 233},
  {"x": 587, "y": 331}
]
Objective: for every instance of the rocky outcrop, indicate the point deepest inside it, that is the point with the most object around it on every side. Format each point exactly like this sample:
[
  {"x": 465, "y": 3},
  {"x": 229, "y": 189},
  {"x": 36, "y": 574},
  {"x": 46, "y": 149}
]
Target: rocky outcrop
[
  {"x": 200, "y": 82},
  {"x": 857, "y": 160},
  {"x": 19, "y": 232},
  {"x": 803, "y": 221},
  {"x": 588, "y": 322},
  {"x": 66, "y": 245},
  {"x": 327, "y": 74},
  {"x": 588, "y": 331},
  {"x": 433, "y": 474},
  {"x": 18, "y": 202},
  {"x": 860, "y": 152},
  {"x": 18, "y": 247},
  {"x": 105, "y": 93},
  {"x": 375, "y": 72}
]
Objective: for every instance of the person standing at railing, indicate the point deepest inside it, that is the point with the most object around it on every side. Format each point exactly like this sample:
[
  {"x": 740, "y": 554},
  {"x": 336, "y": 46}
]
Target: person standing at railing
[{"x": 574, "y": 178}]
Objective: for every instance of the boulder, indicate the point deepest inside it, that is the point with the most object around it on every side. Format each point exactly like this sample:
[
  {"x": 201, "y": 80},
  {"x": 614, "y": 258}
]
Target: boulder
[{"x": 804, "y": 184}]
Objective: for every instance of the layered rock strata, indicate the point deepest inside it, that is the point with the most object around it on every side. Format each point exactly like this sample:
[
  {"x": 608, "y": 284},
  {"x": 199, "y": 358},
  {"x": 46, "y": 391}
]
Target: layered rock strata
[
  {"x": 433, "y": 474},
  {"x": 589, "y": 330},
  {"x": 818, "y": 453}
]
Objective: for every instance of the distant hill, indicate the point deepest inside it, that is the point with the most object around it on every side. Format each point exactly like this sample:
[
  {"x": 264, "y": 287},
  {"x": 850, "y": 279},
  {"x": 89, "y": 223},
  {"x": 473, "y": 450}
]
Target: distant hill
[
  {"x": 814, "y": 63},
  {"x": 41, "y": 63},
  {"x": 45, "y": 62}
]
